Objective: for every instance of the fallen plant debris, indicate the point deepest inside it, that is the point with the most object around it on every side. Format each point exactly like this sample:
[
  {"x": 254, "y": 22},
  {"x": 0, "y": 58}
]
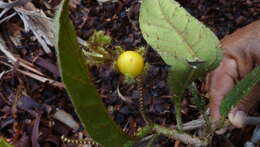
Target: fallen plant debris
[{"x": 119, "y": 19}]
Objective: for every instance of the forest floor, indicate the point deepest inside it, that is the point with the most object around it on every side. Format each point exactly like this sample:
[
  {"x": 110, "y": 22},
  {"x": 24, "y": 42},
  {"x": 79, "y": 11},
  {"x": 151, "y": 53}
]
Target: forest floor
[{"x": 28, "y": 103}]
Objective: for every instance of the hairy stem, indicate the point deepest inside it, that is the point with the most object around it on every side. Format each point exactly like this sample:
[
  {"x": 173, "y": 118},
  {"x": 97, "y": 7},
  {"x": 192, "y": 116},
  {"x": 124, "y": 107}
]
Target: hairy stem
[
  {"x": 178, "y": 97},
  {"x": 183, "y": 137},
  {"x": 178, "y": 111},
  {"x": 141, "y": 99}
]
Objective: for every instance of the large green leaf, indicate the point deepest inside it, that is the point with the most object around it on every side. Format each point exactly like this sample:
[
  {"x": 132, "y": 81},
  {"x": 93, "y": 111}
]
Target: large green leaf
[
  {"x": 3, "y": 143},
  {"x": 241, "y": 90},
  {"x": 76, "y": 77},
  {"x": 183, "y": 42}
]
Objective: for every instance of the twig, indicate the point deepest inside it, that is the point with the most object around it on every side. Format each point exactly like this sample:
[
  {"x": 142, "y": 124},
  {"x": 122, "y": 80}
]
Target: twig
[
  {"x": 4, "y": 11},
  {"x": 189, "y": 126},
  {"x": 147, "y": 138},
  {"x": 12, "y": 59},
  {"x": 250, "y": 120},
  {"x": 40, "y": 25},
  {"x": 8, "y": 54},
  {"x": 194, "y": 124},
  {"x": 13, "y": 4},
  {"x": 37, "y": 77},
  {"x": 8, "y": 17},
  {"x": 3, "y": 72},
  {"x": 42, "y": 79},
  {"x": 153, "y": 138},
  {"x": 24, "y": 64},
  {"x": 241, "y": 119}
]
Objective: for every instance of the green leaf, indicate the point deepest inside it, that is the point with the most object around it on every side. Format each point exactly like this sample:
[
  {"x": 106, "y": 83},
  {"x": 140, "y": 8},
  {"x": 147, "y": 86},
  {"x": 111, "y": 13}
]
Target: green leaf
[
  {"x": 197, "y": 99},
  {"x": 241, "y": 90},
  {"x": 3, "y": 143},
  {"x": 183, "y": 42},
  {"x": 99, "y": 38},
  {"x": 78, "y": 83}
]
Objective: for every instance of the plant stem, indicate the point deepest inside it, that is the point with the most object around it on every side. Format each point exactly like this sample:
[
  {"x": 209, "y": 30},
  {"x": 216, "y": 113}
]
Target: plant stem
[
  {"x": 178, "y": 97},
  {"x": 174, "y": 133},
  {"x": 183, "y": 137},
  {"x": 178, "y": 112},
  {"x": 145, "y": 131},
  {"x": 141, "y": 99}
]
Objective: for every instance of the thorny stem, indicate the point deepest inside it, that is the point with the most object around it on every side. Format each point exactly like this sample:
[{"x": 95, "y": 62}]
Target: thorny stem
[
  {"x": 178, "y": 112},
  {"x": 175, "y": 134},
  {"x": 220, "y": 124},
  {"x": 200, "y": 103},
  {"x": 86, "y": 141},
  {"x": 183, "y": 137},
  {"x": 178, "y": 97},
  {"x": 141, "y": 99},
  {"x": 207, "y": 120},
  {"x": 144, "y": 131}
]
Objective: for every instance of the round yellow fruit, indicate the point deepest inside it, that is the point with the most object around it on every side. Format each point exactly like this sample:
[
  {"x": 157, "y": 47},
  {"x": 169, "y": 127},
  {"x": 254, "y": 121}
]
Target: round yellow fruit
[{"x": 130, "y": 63}]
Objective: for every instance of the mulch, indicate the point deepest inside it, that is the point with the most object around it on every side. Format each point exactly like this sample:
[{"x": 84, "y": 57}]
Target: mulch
[{"x": 120, "y": 21}]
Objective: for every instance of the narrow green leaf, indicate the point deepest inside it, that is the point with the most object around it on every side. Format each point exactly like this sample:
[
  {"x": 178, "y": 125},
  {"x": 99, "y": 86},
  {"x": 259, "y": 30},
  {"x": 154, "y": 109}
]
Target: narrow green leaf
[
  {"x": 3, "y": 143},
  {"x": 78, "y": 83},
  {"x": 241, "y": 90},
  {"x": 183, "y": 42},
  {"x": 197, "y": 99}
]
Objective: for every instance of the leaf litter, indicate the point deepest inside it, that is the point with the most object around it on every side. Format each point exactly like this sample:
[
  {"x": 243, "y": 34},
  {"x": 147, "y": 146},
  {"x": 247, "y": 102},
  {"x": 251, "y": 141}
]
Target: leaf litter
[{"x": 120, "y": 20}]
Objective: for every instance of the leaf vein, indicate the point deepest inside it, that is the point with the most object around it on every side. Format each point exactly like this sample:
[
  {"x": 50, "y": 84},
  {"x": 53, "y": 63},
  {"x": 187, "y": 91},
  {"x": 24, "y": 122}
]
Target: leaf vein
[{"x": 179, "y": 33}]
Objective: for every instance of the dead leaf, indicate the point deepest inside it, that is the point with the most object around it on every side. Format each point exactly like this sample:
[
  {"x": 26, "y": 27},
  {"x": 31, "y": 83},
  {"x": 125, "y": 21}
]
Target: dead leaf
[{"x": 40, "y": 25}]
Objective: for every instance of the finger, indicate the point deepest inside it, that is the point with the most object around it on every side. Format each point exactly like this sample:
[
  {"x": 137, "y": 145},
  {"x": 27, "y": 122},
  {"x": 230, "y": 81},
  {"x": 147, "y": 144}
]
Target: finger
[
  {"x": 241, "y": 54},
  {"x": 238, "y": 115},
  {"x": 220, "y": 81}
]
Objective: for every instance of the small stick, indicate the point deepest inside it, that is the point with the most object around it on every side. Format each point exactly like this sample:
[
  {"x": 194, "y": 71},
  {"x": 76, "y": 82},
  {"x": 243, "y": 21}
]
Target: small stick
[
  {"x": 13, "y": 4},
  {"x": 37, "y": 77},
  {"x": 12, "y": 59},
  {"x": 241, "y": 119},
  {"x": 250, "y": 120}
]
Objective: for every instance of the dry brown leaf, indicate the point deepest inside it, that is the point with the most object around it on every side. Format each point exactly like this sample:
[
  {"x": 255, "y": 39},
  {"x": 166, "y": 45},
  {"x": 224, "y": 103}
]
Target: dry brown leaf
[{"x": 40, "y": 25}]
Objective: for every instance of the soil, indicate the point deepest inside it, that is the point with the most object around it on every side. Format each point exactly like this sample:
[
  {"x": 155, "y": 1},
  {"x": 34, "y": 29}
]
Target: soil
[{"x": 19, "y": 124}]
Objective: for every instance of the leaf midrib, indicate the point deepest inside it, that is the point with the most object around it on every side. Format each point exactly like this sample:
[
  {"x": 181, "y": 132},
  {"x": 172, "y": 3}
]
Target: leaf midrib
[{"x": 192, "y": 52}]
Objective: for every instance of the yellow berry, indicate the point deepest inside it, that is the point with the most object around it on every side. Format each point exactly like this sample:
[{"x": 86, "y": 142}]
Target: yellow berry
[{"x": 130, "y": 63}]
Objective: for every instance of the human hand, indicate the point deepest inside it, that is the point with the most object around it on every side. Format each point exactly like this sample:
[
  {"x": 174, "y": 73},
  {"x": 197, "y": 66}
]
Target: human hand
[{"x": 241, "y": 55}]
